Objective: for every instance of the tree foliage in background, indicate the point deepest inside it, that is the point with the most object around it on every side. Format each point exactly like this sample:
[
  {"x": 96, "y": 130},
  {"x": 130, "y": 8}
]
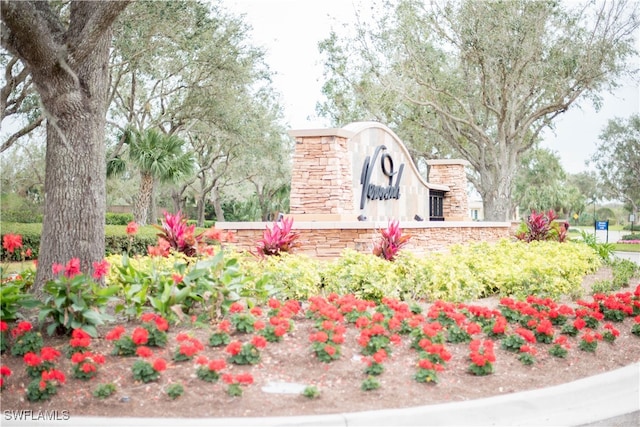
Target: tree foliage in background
[
  {"x": 542, "y": 184},
  {"x": 185, "y": 68},
  {"x": 476, "y": 79},
  {"x": 617, "y": 159}
]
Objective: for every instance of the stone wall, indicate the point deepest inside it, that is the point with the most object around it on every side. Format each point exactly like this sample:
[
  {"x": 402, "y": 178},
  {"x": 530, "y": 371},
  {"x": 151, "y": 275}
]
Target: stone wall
[
  {"x": 451, "y": 173},
  {"x": 329, "y": 239}
]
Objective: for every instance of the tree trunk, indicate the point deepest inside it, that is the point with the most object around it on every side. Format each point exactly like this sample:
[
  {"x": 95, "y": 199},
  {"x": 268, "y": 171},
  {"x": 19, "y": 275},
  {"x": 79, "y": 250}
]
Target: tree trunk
[
  {"x": 75, "y": 180},
  {"x": 152, "y": 217},
  {"x": 217, "y": 207},
  {"x": 141, "y": 206}
]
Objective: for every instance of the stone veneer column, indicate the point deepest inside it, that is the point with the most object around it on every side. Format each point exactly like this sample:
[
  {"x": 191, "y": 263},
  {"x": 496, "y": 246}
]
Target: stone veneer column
[
  {"x": 321, "y": 177},
  {"x": 451, "y": 172}
]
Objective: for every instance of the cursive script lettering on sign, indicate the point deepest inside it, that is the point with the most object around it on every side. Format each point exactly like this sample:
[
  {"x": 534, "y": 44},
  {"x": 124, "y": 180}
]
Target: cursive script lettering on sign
[{"x": 378, "y": 192}]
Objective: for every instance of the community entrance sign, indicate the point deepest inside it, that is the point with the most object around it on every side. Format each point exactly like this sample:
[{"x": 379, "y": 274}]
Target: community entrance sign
[{"x": 364, "y": 172}]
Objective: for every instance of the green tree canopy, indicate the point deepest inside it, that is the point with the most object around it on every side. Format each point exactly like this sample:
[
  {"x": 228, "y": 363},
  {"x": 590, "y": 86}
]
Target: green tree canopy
[
  {"x": 477, "y": 79},
  {"x": 617, "y": 159}
]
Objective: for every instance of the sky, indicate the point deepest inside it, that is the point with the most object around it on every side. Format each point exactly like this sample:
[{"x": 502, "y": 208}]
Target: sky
[{"x": 289, "y": 31}]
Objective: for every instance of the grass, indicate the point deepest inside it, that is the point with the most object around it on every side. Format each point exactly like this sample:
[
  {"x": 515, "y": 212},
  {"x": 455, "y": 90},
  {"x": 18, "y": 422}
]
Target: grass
[
  {"x": 16, "y": 267},
  {"x": 627, "y": 247}
]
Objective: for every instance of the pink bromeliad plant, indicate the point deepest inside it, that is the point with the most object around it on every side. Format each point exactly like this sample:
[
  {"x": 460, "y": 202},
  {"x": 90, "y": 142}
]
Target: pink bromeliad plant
[
  {"x": 278, "y": 239},
  {"x": 391, "y": 241},
  {"x": 542, "y": 226},
  {"x": 180, "y": 236}
]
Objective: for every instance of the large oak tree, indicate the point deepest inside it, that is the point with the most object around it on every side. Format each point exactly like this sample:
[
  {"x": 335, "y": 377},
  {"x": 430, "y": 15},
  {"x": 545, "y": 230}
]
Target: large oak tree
[
  {"x": 65, "y": 48},
  {"x": 477, "y": 79}
]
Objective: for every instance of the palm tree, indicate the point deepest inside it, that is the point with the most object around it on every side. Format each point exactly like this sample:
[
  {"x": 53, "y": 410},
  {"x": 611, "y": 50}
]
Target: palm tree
[{"x": 159, "y": 158}]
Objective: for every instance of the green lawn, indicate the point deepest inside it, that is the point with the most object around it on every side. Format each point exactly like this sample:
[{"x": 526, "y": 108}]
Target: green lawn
[{"x": 627, "y": 247}]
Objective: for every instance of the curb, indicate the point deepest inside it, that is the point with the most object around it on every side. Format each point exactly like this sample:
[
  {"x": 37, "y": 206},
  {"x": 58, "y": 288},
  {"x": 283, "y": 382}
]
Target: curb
[{"x": 585, "y": 401}]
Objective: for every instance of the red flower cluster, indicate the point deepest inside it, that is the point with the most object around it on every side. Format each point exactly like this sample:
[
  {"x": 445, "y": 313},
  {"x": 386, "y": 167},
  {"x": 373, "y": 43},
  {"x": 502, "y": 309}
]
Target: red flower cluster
[
  {"x": 241, "y": 379},
  {"x": 21, "y": 328},
  {"x": 5, "y": 372},
  {"x": 80, "y": 339},
  {"x": 115, "y": 333},
  {"x": 11, "y": 242},
  {"x": 189, "y": 346},
  {"x": 481, "y": 352},
  {"x": 140, "y": 336},
  {"x": 161, "y": 323}
]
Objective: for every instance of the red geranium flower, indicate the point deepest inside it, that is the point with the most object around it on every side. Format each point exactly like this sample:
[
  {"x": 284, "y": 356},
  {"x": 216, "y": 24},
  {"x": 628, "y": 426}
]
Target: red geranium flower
[
  {"x": 143, "y": 351},
  {"x": 159, "y": 365},
  {"x": 259, "y": 341},
  {"x": 11, "y": 242},
  {"x": 234, "y": 348},
  {"x": 115, "y": 333},
  {"x": 140, "y": 336}
]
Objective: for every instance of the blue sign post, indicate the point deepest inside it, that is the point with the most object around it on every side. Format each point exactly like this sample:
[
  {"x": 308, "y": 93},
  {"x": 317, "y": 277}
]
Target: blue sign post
[{"x": 603, "y": 226}]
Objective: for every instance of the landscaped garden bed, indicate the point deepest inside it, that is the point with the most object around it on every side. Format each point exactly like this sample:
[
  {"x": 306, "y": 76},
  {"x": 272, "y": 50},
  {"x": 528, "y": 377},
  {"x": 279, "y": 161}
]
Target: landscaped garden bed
[{"x": 222, "y": 334}]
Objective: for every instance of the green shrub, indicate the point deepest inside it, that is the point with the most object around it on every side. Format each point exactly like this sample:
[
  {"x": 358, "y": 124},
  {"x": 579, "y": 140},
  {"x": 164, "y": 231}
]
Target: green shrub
[
  {"x": 366, "y": 276},
  {"x": 30, "y": 234},
  {"x": 623, "y": 271},
  {"x": 24, "y": 216},
  {"x": 286, "y": 276},
  {"x": 112, "y": 218},
  {"x": 632, "y": 236}
]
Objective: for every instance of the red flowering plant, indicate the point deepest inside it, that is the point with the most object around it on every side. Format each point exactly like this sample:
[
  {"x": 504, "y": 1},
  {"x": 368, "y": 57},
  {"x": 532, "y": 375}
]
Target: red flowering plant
[
  {"x": 4, "y": 336},
  {"x": 427, "y": 371},
  {"x": 5, "y": 373},
  {"x": 610, "y": 333},
  {"x": 235, "y": 383},
  {"x": 144, "y": 370},
  {"x": 25, "y": 339},
  {"x": 374, "y": 363},
  {"x": 373, "y": 336},
  {"x": 278, "y": 239},
  {"x": 390, "y": 241},
  {"x": 560, "y": 347},
  {"x": 46, "y": 386},
  {"x": 482, "y": 357},
  {"x": 635, "y": 329},
  {"x": 188, "y": 347},
  {"x": 432, "y": 359},
  {"x": 157, "y": 327},
  {"x": 125, "y": 345},
  {"x": 85, "y": 364},
  {"x": 544, "y": 331},
  {"x": 277, "y": 328},
  {"x": 209, "y": 370},
  {"x": 74, "y": 299},
  {"x": 243, "y": 321},
  {"x": 527, "y": 354},
  {"x": 38, "y": 363},
  {"x": 572, "y": 329},
  {"x": 247, "y": 353},
  {"x": 221, "y": 336},
  {"x": 79, "y": 342},
  {"x": 353, "y": 308},
  {"x": 614, "y": 308},
  {"x": 327, "y": 341},
  {"x": 431, "y": 331},
  {"x": 589, "y": 341}
]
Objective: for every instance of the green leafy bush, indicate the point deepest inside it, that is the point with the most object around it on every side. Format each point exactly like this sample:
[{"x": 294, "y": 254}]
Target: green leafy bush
[
  {"x": 286, "y": 276},
  {"x": 112, "y": 218},
  {"x": 366, "y": 276},
  {"x": 75, "y": 301}
]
